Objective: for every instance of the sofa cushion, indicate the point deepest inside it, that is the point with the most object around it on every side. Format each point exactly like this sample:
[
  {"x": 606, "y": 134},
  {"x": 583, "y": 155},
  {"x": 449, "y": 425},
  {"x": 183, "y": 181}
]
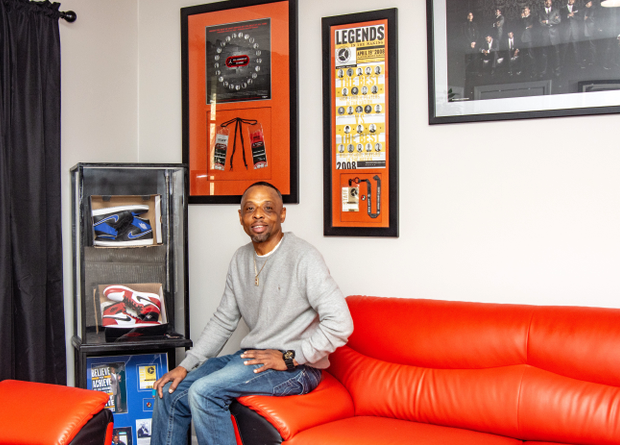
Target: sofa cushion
[
  {"x": 371, "y": 430},
  {"x": 577, "y": 342},
  {"x": 560, "y": 409},
  {"x": 476, "y": 399}
]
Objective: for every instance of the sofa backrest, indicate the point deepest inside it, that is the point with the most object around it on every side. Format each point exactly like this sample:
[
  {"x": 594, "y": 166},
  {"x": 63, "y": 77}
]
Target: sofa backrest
[{"x": 530, "y": 372}]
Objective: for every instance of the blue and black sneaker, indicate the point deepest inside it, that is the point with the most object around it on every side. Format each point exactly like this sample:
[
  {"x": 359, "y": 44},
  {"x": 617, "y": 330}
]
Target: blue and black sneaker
[
  {"x": 110, "y": 224},
  {"x": 137, "y": 233}
]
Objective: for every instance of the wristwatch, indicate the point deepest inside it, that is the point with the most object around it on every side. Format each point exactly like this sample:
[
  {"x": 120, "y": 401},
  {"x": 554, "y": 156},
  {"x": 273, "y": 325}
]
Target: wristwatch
[{"x": 288, "y": 357}]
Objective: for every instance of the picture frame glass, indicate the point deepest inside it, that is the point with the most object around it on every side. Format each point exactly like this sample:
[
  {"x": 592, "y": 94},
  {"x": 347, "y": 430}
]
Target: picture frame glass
[
  {"x": 360, "y": 128},
  {"x": 128, "y": 382},
  {"x": 488, "y": 81},
  {"x": 240, "y": 98}
]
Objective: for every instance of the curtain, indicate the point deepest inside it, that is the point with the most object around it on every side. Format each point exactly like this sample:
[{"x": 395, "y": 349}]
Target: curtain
[{"x": 32, "y": 326}]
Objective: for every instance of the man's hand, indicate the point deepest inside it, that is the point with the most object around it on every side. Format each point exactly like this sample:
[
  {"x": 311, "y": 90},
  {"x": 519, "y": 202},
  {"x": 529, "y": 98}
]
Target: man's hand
[
  {"x": 269, "y": 358},
  {"x": 175, "y": 376}
]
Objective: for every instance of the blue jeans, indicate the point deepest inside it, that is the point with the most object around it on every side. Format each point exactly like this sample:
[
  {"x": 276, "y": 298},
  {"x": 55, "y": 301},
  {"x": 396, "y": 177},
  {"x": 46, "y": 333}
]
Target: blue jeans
[{"x": 205, "y": 394}]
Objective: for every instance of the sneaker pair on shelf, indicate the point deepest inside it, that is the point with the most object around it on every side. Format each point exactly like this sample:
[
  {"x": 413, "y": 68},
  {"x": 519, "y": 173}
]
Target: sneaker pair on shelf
[
  {"x": 144, "y": 307},
  {"x": 122, "y": 226}
]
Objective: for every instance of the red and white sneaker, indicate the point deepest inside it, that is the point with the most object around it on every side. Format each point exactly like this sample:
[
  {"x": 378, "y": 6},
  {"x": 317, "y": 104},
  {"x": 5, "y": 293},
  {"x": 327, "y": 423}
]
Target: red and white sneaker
[
  {"x": 115, "y": 316},
  {"x": 146, "y": 304}
]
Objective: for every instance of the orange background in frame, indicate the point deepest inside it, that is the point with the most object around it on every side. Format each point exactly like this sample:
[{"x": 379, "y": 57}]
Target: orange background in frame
[
  {"x": 340, "y": 178},
  {"x": 203, "y": 179},
  {"x": 239, "y": 173}
]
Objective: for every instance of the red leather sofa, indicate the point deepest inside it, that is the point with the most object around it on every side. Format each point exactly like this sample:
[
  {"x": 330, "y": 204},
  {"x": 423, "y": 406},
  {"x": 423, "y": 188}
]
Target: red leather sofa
[
  {"x": 440, "y": 372},
  {"x": 40, "y": 413}
]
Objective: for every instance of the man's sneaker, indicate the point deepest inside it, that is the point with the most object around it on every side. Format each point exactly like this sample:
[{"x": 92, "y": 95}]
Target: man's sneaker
[
  {"x": 109, "y": 223},
  {"x": 137, "y": 233},
  {"x": 146, "y": 304},
  {"x": 104, "y": 231},
  {"x": 115, "y": 316}
]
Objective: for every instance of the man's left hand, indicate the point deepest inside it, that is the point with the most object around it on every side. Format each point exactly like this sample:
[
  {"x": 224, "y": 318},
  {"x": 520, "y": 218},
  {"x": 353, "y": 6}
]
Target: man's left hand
[{"x": 269, "y": 358}]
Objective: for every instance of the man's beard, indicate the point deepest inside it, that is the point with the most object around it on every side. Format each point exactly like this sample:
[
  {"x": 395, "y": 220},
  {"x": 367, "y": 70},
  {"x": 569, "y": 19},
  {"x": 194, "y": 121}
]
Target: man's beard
[{"x": 260, "y": 238}]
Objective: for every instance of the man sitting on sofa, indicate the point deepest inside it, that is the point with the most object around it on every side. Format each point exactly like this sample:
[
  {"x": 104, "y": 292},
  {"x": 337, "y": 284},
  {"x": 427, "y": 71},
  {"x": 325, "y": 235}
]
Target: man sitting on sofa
[{"x": 296, "y": 315}]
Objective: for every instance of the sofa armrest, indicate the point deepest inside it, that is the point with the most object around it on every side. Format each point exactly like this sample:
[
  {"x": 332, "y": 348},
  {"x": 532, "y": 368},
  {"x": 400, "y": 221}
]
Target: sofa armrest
[{"x": 289, "y": 415}]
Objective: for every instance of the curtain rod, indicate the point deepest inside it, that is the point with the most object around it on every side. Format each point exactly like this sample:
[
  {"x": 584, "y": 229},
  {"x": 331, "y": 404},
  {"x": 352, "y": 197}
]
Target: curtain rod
[{"x": 69, "y": 16}]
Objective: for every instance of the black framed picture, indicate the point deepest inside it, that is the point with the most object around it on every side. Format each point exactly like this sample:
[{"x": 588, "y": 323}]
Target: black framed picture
[
  {"x": 239, "y": 74},
  {"x": 515, "y": 59},
  {"x": 360, "y": 124}
]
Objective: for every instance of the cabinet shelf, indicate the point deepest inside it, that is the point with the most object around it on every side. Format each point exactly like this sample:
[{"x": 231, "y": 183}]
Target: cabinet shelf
[{"x": 130, "y": 346}]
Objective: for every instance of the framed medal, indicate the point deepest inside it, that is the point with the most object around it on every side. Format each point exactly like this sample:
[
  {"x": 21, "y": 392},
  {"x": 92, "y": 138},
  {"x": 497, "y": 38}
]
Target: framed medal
[
  {"x": 360, "y": 129},
  {"x": 239, "y": 72}
]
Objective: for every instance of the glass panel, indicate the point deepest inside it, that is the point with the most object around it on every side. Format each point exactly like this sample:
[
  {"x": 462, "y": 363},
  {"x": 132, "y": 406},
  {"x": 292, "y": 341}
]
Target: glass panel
[{"x": 130, "y": 252}]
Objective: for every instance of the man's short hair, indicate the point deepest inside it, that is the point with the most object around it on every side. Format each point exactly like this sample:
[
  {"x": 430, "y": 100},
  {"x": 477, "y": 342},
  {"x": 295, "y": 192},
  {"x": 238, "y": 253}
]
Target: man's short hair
[{"x": 264, "y": 184}]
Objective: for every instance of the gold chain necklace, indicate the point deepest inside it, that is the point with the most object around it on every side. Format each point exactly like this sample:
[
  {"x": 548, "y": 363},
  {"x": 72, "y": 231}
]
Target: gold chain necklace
[{"x": 256, "y": 274}]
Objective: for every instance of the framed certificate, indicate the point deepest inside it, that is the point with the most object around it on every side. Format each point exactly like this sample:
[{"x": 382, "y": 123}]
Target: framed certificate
[{"x": 360, "y": 124}]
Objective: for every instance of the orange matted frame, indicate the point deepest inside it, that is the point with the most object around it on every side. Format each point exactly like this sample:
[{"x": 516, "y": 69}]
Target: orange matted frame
[
  {"x": 239, "y": 71},
  {"x": 360, "y": 127}
]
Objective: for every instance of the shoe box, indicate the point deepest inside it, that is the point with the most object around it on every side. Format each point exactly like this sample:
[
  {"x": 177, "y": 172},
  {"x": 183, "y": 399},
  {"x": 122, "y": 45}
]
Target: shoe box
[
  {"x": 152, "y": 217},
  {"x": 135, "y": 327}
]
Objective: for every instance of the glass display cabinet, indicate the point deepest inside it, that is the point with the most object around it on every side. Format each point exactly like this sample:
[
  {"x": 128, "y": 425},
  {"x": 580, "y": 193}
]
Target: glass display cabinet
[{"x": 130, "y": 279}]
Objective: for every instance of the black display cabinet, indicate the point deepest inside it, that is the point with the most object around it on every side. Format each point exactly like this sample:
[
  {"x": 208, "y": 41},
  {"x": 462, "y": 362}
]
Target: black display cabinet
[{"x": 130, "y": 279}]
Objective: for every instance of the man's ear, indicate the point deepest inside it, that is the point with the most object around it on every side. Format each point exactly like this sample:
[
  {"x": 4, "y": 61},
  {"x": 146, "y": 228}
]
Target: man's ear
[
  {"x": 283, "y": 214},
  {"x": 240, "y": 217}
]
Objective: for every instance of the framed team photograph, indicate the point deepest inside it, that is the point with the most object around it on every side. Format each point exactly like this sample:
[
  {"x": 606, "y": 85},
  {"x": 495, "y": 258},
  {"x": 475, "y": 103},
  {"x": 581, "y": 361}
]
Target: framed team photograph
[
  {"x": 515, "y": 59},
  {"x": 239, "y": 75},
  {"x": 360, "y": 124}
]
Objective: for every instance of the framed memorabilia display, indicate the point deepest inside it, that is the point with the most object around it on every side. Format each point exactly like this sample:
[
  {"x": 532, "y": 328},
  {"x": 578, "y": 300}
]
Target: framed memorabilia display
[
  {"x": 239, "y": 75},
  {"x": 360, "y": 124},
  {"x": 129, "y": 241},
  {"x": 128, "y": 380},
  {"x": 490, "y": 62}
]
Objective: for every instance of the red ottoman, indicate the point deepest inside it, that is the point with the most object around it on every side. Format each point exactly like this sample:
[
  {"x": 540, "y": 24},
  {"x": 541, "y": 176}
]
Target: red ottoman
[{"x": 40, "y": 413}]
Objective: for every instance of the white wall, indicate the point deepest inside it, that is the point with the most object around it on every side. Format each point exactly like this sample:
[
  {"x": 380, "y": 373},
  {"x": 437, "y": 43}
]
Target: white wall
[{"x": 511, "y": 212}]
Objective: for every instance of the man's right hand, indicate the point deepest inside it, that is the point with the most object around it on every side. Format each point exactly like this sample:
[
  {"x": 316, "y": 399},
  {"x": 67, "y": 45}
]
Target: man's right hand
[{"x": 175, "y": 376}]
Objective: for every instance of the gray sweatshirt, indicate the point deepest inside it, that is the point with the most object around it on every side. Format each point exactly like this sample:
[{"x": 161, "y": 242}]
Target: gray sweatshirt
[{"x": 297, "y": 305}]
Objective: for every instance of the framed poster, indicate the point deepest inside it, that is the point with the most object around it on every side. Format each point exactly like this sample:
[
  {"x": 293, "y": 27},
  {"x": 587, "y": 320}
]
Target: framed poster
[
  {"x": 514, "y": 60},
  {"x": 128, "y": 380},
  {"x": 360, "y": 124},
  {"x": 239, "y": 74}
]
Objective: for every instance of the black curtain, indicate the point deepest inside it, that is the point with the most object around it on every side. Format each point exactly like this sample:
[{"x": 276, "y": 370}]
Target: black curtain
[{"x": 32, "y": 326}]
